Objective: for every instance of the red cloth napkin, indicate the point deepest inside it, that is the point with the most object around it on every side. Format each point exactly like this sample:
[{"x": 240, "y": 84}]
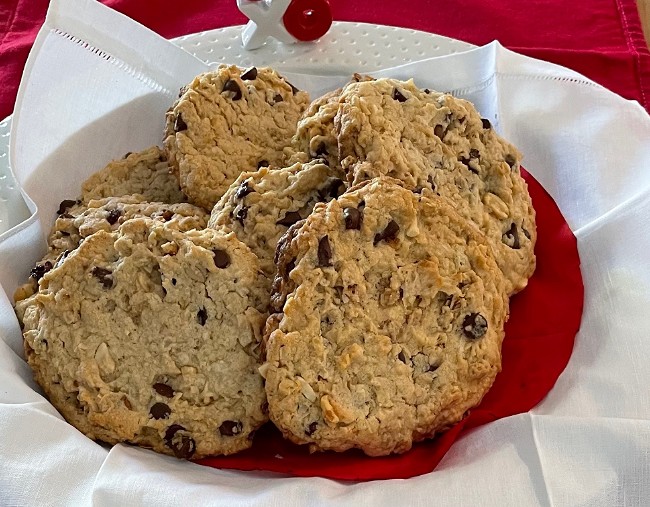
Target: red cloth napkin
[{"x": 602, "y": 39}]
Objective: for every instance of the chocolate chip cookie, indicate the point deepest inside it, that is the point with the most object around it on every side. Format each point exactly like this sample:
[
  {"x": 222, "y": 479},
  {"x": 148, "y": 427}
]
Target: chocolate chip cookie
[
  {"x": 392, "y": 310},
  {"x": 146, "y": 173},
  {"x": 260, "y": 206},
  {"x": 315, "y": 135},
  {"x": 150, "y": 336},
  {"x": 434, "y": 142},
  {"x": 228, "y": 121},
  {"x": 77, "y": 221}
]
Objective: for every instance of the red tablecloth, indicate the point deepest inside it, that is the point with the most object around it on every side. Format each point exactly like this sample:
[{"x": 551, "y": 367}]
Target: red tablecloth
[{"x": 599, "y": 38}]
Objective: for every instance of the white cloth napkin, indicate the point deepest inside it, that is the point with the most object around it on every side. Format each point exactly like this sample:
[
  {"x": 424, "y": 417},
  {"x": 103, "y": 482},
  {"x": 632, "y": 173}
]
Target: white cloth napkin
[{"x": 97, "y": 85}]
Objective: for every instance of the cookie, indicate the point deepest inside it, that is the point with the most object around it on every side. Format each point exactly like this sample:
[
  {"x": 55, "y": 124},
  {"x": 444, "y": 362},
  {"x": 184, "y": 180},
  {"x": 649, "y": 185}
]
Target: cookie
[
  {"x": 435, "y": 142},
  {"x": 315, "y": 135},
  {"x": 226, "y": 122},
  {"x": 260, "y": 206},
  {"x": 77, "y": 221},
  {"x": 150, "y": 336},
  {"x": 392, "y": 311},
  {"x": 146, "y": 173}
]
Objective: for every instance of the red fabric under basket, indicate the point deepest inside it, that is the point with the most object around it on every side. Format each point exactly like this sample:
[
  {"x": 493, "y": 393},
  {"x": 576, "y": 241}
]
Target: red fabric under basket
[{"x": 544, "y": 320}]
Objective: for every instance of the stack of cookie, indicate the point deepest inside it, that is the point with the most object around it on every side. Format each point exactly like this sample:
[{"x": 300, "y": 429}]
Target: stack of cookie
[{"x": 341, "y": 267}]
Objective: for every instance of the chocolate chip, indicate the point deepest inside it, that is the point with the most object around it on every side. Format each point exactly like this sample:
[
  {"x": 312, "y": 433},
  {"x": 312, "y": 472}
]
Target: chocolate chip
[
  {"x": 324, "y": 252},
  {"x": 401, "y": 356},
  {"x": 474, "y": 153},
  {"x": 352, "y": 218},
  {"x": 277, "y": 98},
  {"x": 127, "y": 403},
  {"x": 321, "y": 149},
  {"x": 433, "y": 367},
  {"x": 171, "y": 432},
  {"x": 289, "y": 219},
  {"x": 202, "y": 315},
  {"x": 232, "y": 87},
  {"x": 241, "y": 214},
  {"x": 262, "y": 163},
  {"x": 290, "y": 267},
  {"x": 427, "y": 91},
  {"x": 163, "y": 390},
  {"x": 65, "y": 205},
  {"x": 104, "y": 276},
  {"x": 334, "y": 189},
  {"x": 250, "y": 74},
  {"x": 486, "y": 123},
  {"x": 126, "y": 155},
  {"x": 398, "y": 96},
  {"x": 64, "y": 254},
  {"x": 525, "y": 231},
  {"x": 389, "y": 233},
  {"x": 474, "y": 326},
  {"x": 243, "y": 190},
  {"x": 182, "y": 447},
  {"x": 160, "y": 411},
  {"x": 511, "y": 160},
  {"x": 179, "y": 124},
  {"x": 439, "y": 131},
  {"x": 185, "y": 448},
  {"x": 311, "y": 429},
  {"x": 511, "y": 237},
  {"x": 173, "y": 281},
  {"x": 167, "y": 215},
  {"x": 113, "y": 216},
  {"x": 293, "y": 88},
  {"x": 230, "y": 428},
  {"x": 39, "y": 270},
  {"x": 465, "y": 161},
  {"x": 221, "y": 259},
  {"x": 431, "y": 182}
]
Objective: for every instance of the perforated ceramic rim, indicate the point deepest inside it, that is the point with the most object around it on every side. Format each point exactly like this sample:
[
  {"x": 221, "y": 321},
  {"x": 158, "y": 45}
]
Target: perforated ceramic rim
[{"x": 348, "y": 47}]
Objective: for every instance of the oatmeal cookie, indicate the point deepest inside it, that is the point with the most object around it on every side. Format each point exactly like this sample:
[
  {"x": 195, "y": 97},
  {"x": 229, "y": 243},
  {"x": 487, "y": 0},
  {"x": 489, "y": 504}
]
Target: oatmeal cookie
[
  {"x": 76, "y": 221},
  {"x": 260, "y": 206},
  {"x": 150, "y": 336},
  {"x": 391, "y": 312},
  {"x": 228, "y": 121},
  {"x": 146, "y": 173},
  {"x": 436, "y": 143}
]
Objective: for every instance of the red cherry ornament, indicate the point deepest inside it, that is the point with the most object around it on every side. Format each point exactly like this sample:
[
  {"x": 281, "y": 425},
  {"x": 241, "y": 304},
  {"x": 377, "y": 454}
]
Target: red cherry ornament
[{"x": 308, "y": 20}]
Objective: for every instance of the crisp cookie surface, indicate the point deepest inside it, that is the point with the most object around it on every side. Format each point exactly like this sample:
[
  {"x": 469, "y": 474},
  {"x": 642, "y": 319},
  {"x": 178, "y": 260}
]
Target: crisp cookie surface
[
  {"x": 228, "y": 121},
  {"x": 260, "y": 206},
  {"x": 391, "y": 320},
  {"x": 435, "y": 142},
  {"x": 146, "y": 173},
  {"x": 77, "y": 221},
  {"x": 150, "y": 336},
  {"x": 315, "y": 136}
]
